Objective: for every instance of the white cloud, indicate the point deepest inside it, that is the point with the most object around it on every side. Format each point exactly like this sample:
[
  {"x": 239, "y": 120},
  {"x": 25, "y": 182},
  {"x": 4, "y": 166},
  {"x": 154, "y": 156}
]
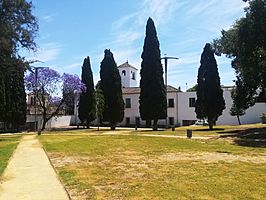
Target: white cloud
[
  {"x": 73, "y": 65},
  {"x": 47, "y": 52},
  {"x": 49, "y": 18}
]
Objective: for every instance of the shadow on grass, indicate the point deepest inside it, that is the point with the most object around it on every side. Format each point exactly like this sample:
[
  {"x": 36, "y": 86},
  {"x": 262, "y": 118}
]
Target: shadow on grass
[
  {"x": 207, "y": 129},
  {"x": 151, "y": 131},
  {"x": 252, "y": 137},
  {"x": 89, "y": 130}
]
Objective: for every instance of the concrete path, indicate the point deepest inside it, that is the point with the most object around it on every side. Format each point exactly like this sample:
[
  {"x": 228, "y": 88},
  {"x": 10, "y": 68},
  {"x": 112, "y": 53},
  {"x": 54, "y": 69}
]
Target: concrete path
[{"x": 29, "y": 175}]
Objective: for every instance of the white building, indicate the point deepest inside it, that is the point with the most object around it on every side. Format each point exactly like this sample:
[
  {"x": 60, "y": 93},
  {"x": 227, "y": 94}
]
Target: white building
[{"x": 181, "y": 105}]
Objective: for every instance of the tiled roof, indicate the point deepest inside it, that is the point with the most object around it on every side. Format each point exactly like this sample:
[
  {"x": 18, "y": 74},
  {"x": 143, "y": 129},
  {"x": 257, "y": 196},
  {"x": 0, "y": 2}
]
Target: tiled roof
[
  {"x": 136, "y": 90},
  {"x": 126, "y": 65}
]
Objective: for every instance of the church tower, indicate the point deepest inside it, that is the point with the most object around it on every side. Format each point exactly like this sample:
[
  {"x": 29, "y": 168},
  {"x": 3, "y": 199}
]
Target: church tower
[{"x": 128, "y": 75}]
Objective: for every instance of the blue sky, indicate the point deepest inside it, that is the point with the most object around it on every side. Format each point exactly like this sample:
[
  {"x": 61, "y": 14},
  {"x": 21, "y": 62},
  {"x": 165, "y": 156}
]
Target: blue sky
[{"x": 71, "y": 30}]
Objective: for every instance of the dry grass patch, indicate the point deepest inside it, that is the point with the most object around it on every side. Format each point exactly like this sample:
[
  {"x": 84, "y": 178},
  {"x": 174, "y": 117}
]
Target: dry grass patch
[{"x": 136, "y": 167}]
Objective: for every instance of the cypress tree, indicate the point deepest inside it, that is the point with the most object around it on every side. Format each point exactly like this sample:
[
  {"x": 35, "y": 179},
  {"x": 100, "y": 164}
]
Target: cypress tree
[
  {"x": 99, "y": 97},
  {"x": 152, "y": 99},
  {"x": 112, "y": 90},
  {"x": 87, "y": 100},
  {"x": 210, "y": 102}
]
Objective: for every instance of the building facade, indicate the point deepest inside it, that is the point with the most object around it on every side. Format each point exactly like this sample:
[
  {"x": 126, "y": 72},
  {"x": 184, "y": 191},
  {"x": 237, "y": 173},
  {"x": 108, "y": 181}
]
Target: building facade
[{"x": 180, "y": 105}]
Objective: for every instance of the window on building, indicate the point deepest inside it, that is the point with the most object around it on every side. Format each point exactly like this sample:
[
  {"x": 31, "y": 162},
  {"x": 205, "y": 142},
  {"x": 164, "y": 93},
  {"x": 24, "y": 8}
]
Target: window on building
[
  {"x": 127, "y": 121},
  {"x": 171, "y": 121},
  {"x": 171, "y": 103},
  {"x": 124, "y": 72},
  {"x": 133, "y": 76},
  {"x": 192, "y": 102},
  {"x": 128, "y": 103},
  {"x": 32, "y": 101}
]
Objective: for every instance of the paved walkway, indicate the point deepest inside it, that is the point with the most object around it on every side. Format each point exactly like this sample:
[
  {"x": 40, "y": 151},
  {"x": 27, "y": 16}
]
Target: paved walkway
[{"x": 29, "y": 175}]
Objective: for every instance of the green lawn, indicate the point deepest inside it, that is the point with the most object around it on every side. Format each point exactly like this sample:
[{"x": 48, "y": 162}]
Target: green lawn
[
  {"x": 7, "y": 145},
  {"x": 137, "y": 167}
]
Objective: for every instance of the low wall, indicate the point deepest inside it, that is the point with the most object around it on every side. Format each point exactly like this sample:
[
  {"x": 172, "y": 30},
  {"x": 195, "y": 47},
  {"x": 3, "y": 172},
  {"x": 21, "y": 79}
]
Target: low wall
[{"x": 56, "y": 121}]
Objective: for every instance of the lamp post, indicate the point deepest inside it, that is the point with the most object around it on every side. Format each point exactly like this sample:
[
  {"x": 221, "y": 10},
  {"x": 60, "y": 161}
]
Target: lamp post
[
  {"x": 166, "y": 58},
  {"x": 35, "y": 71}
]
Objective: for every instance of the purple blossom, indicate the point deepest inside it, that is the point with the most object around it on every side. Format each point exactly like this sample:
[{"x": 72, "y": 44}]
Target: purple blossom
[
  {"x": 55, "y": 100},
  {"x": 47, "y": 79},
  {"x": 53, "y": 84},
  {"x": 73, "y": 83}
]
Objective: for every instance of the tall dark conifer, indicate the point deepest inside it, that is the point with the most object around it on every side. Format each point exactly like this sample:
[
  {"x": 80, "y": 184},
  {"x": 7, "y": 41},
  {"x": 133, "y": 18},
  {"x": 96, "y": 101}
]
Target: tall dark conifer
[
  {"x": 2, "y": 97},
  {"x": 112, "y": 90},
  {"x": 153, "y": 92},
  {"x": 87, "y": 100},
  {"x": 15, "y": 96},
  {"x": 210, "y": 102}
]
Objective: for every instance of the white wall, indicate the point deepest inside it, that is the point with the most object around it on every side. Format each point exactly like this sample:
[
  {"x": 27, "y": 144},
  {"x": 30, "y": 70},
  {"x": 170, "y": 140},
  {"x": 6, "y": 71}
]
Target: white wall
[
  {"x": 172, "y": 112},
  {"x": 252, "y": 115},
  {"x": 184, "y": 111},
  {"x": 133, "y": 112},
  {"x": 187, "y": 113},
  {"x": 126, "y": 80}
]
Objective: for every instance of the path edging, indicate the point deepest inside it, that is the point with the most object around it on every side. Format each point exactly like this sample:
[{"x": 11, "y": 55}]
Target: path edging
[{"x": 57, "y": 176}]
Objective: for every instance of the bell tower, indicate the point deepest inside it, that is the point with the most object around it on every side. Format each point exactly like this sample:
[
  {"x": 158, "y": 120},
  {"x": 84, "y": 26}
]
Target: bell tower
[{"x": 128, "y": 75}]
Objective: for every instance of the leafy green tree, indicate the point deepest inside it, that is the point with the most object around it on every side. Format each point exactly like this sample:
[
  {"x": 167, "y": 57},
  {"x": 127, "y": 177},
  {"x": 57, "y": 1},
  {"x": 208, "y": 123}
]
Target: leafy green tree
[
  {"x": 193, "y": 89},
  {"x": 112, "y": 90},
  {"x": 18, "y": 27},
  {"x": 153, "y": 105},
  {"x": 239, "y": 97},
  {"x": 245, "y": 43},
  {"x": 87, "y": 99},
  {"x": 210, "y": 102},
  {"x": 99, "y": 97},
  {"x": 18, "y": 30}
]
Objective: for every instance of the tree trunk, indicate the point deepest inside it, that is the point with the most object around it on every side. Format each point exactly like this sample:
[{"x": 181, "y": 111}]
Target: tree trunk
[
  {"x": 43, "y": 124},
  {"x": 238, "y": 119},
  {"x": 88, "y": 124},
  {"x": 44, "y": 120},
  {"x": 112, "y": 125},
  {"x": 210, "y": 122},
  {"x": 148, "y": 123},
  {"x": 155, "y": 128}
]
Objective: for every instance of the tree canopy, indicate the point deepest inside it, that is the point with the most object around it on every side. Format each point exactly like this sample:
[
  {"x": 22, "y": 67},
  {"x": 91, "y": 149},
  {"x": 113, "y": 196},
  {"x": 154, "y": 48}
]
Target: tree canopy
[
  {"x": 239, "y": 103},
  {"x": 245, "y": 43},
  {"x": 18, "y": 28},
  {"x": 210, "y": 102},
  {"x": 112, "y": 90},
  {"x": 152, "y": 88},
  {"x": 49, "y": 88}
]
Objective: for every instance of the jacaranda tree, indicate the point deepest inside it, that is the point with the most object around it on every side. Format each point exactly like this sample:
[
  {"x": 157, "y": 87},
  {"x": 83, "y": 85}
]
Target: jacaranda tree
[{"x": 49, "y": 89}]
